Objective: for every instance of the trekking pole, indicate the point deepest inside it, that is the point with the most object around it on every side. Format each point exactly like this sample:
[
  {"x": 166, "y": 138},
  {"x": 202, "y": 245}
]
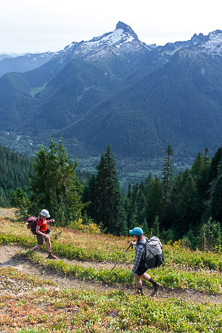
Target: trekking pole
[{"x": 120, "y": 258}]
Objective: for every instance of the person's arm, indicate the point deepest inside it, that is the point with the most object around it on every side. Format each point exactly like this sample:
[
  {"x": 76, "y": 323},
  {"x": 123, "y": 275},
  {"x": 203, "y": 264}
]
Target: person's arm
[
  {"x": 50, "y": 221},
  {"x": 37, "y": 230},
  {"x": 139, "y": 251}
]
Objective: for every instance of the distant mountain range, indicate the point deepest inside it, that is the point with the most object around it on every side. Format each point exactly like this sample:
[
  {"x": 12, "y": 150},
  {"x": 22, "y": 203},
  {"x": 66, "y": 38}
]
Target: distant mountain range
[
  {"x": 116, "y": 89},
  {"x": 23, "y": 63}
]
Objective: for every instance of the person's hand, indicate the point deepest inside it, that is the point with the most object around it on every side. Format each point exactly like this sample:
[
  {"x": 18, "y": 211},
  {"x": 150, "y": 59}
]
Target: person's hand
[
  {"x": 52, "y": 220},
  {"x": 132, "y": 243},
  {"x": 46, "y": 237}
]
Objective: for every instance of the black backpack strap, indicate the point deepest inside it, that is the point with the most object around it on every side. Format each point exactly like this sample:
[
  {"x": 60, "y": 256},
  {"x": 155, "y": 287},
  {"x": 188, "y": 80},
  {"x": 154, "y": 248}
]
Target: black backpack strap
[{"x": 149, "y": 249}]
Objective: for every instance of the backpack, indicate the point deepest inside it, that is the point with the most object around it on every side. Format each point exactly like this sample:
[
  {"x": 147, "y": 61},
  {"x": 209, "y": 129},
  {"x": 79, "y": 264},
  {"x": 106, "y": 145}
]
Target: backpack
[
  {"x": 154, "y": 256},
  {"x": 31, "y": 224}
]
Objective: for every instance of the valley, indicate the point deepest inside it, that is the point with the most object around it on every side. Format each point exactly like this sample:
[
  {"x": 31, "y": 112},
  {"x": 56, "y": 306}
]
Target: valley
[
  {"x": 115, "y": 89},
  {"x": 130, "y": 170}
]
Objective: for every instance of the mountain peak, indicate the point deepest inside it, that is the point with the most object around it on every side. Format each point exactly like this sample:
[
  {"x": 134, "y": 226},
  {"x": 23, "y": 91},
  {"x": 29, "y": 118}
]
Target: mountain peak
[
  {"x": 198, "y": 39},
  {"x": 126, "y": 28},
  {"x": 212, "y": 43}
]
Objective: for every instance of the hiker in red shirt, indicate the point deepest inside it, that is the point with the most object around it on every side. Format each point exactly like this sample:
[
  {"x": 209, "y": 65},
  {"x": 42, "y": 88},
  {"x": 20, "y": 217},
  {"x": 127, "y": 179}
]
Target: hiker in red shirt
[{"x": 41, "y": 231}]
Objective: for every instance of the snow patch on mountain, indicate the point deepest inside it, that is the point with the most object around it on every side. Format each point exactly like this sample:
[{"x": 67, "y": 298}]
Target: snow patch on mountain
[
  {"x": 214, "y": 44},
  {"x": 122, "y": 33},
  {"x": 121, "y": 41},
  {"x": 110, "y": 39},
  {"x": 170, "y": 48},
  {"x": 211, "y": 44},
  {"x": 171, "y": 51},
  {"x": 124, "y": 42}
]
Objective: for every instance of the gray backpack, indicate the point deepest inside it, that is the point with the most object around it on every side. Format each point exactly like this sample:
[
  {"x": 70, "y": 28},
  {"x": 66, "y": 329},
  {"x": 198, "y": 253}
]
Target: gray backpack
[{"x": 154, "y": 256}]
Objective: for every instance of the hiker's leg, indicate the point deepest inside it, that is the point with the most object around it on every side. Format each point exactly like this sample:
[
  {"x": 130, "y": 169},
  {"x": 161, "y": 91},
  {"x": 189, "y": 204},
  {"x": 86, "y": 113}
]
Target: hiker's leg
[
  {"x": 37, "y": 247},
  {"x": 147, "y": 277},
  {"x": 138, "y": 281},
  {"x": 48, "y": 244},
  {"x": 40, "y": 242}
]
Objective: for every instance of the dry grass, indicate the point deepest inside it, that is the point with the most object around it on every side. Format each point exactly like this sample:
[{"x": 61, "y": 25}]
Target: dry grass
[{"x": 8, "y": 213}]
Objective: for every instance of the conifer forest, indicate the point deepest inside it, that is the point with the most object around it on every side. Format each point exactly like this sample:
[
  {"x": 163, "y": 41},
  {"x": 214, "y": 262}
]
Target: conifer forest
[{"x": 186, "y": 206}]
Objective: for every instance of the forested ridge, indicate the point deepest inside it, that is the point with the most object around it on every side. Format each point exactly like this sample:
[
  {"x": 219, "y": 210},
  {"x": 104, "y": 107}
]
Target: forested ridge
[
  {"x": 14, "y": 173},
  {"x": 185, "y": 206}
]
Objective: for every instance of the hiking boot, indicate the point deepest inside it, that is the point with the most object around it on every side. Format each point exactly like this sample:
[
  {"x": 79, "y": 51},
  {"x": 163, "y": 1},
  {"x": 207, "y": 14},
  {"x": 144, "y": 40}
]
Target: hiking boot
[
  {"x": 139, "y": 292},
  {"x": 51, "y": 256},
  {"x": 156, "y": 288}
]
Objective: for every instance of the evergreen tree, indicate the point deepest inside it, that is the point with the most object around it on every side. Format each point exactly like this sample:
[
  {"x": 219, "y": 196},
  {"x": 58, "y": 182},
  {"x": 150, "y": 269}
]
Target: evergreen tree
[
  {"x": 109, "y": 202},
  {"x": 171, "y": 218},
  {"x": 146, "y": 183},
  {"x": 189, "y": 206},
  {"x": 188, "y": 240},
  {"x": 198, "y": 165},
  {"x": 135, "y": 204},
  {"x": 19, "y": 198},
  {"x": 3, "y": 201},
  {"x": 167, "y": 179},
  {"x": 210, "y": 236},
  {"x": 55, "y": 185},
  {"x": 89, "y": 196},
  {"x": 14, "y": 171},
  {"x": 153, "y": 204},
  {"x": 216, "y": 200},
  {"x": 145, "y": 227},
  {"x": 167, "y": 236},
  {"x": 127, "y": 206},
  {"x": 199, "y": 170},
  {"x": 167, "y": 173},
  {"x": 156, "y": 227},
  {"x": 212, "y": 173},
  {"x": 216, "y": 236}
]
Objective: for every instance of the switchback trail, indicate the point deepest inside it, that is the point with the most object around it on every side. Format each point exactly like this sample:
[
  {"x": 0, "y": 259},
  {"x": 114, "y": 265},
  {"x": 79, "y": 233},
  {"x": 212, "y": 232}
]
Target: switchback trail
[{"x": 10, "y": 256}]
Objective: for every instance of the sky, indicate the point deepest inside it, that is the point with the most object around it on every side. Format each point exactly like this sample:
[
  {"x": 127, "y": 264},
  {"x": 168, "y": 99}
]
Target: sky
[{"x": 49, "y": 25}]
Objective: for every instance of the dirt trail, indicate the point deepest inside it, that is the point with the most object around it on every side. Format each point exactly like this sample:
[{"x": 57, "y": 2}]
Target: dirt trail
[{"x": 11, "y": 256}]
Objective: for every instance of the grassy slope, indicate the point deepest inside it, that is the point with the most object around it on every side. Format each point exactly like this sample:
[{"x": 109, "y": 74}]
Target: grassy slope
[
  {"x": 182, "y": 268},
  {"x": 51, "y": 309}
]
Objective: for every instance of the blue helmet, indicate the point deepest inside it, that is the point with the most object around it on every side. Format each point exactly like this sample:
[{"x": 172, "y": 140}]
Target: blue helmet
[{"x": 136, "y": 231}]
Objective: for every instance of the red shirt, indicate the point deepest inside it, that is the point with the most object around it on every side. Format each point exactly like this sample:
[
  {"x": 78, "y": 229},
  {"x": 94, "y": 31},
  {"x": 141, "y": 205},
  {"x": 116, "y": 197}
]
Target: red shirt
[{"x": 42, "y": 224}]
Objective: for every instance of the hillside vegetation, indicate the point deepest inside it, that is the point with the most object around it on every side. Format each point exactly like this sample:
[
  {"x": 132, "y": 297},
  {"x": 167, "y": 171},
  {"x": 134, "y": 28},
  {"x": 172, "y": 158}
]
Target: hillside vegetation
[
  {"x": 65, "y": 310},
  {"x": 173, "y": 206},
  {"x": 14, "y": 173}
]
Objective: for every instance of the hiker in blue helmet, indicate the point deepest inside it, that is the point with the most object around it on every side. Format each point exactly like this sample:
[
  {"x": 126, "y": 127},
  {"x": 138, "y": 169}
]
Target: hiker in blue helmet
[{"x": 139, "y": 268}]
